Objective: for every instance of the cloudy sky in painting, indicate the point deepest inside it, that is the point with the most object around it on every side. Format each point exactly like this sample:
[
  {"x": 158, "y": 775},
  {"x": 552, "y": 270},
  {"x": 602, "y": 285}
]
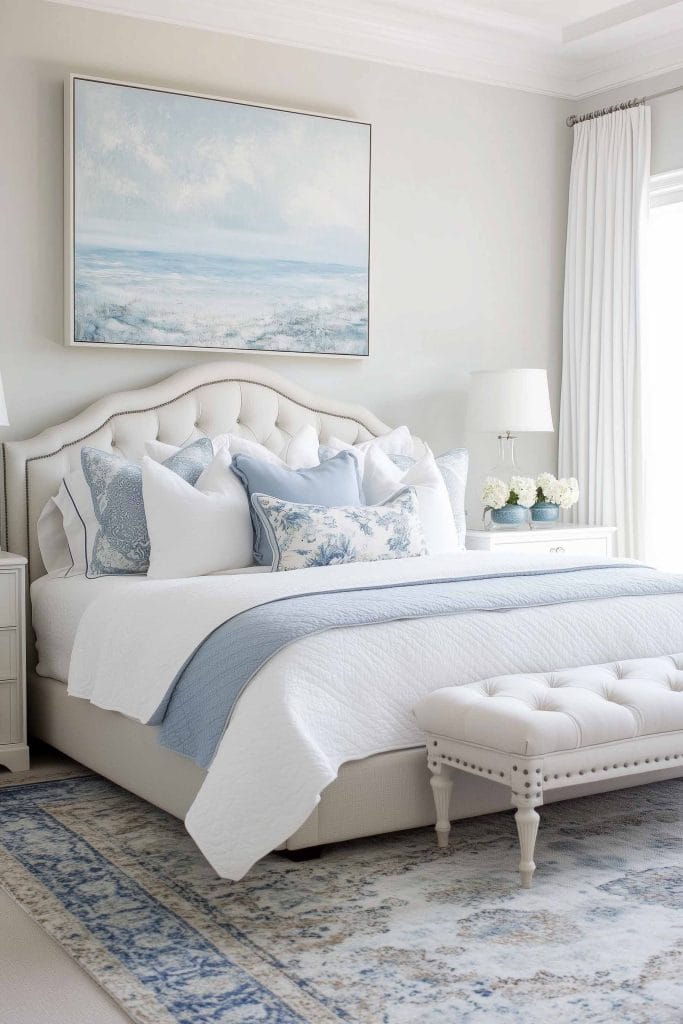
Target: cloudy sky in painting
[{"x": 162, "y": 171}]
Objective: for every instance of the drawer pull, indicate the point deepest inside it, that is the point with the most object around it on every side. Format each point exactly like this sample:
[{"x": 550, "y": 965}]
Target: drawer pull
[{"x": 559, "y": 550}]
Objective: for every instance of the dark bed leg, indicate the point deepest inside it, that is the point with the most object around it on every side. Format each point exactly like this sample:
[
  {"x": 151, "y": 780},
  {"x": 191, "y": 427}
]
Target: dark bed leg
[{"x": 305, "y": 853}]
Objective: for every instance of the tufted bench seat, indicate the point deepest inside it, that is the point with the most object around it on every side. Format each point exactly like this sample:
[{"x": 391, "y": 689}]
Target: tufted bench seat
[{"x": 540, "y": 732}]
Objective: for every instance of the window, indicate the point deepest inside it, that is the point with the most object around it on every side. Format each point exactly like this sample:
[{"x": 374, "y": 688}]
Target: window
[{"x": 663, "y": 375}]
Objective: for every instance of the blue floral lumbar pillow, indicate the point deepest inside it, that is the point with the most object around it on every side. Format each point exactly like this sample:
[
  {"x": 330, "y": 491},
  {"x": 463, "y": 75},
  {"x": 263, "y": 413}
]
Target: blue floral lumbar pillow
[
  {"x": 121, "y": 544},
  {"x": 303, "y": 536}
]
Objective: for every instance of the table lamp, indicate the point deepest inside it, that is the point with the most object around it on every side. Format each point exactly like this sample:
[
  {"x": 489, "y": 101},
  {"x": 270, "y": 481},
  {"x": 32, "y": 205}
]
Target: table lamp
[{"x": 507, "y": 403}]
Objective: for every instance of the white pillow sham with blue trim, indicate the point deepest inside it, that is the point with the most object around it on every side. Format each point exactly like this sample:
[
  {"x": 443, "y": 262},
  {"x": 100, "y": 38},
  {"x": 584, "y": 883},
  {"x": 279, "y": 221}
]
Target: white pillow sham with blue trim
[{"x": 304, "y": 536}]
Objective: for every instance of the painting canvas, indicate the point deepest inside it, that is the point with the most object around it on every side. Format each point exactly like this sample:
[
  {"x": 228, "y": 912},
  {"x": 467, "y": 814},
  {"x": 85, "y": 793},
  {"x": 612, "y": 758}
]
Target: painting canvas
[{"x": 205, "y": 223}]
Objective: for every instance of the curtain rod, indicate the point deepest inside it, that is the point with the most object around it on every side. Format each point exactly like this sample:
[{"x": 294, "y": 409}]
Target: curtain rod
[{"x": 637, "y": 101}]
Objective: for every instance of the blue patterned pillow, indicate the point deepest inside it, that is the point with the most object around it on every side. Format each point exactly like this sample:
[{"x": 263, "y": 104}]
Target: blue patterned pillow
[
  {"x": 121, "y": 545},
  {"x": 303, "y": 536},
  {"x": 453, "y": 465}
]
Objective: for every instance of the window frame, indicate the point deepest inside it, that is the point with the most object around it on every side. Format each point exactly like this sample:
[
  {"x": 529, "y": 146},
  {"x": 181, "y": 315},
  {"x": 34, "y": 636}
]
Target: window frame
[{"x": 666, "y": 188}]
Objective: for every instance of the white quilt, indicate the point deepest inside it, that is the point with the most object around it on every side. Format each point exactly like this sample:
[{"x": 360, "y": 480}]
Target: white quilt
[{"x": 340, "y": 695}]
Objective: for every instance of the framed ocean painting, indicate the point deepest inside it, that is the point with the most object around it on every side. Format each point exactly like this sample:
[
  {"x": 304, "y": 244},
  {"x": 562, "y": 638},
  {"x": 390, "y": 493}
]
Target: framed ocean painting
[{"x": 195, "y": 222}]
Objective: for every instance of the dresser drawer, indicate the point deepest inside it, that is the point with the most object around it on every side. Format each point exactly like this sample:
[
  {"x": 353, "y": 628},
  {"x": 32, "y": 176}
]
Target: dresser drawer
[
  {"x": 573, "y": 546},
  {"x": 9, "y": 604}
]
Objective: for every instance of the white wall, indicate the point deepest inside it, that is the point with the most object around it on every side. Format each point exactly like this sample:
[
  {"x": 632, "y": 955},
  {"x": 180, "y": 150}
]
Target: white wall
[{"x": 468, "y": 219}]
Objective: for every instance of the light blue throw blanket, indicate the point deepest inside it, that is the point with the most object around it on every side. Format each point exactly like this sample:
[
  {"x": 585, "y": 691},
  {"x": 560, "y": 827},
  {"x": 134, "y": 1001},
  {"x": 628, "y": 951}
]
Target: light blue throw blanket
[{"x": 201, "y": 699}]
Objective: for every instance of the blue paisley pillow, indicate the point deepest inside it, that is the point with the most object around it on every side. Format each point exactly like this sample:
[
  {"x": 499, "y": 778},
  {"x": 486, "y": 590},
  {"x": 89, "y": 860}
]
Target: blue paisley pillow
[
  {"x": 121, "y": 545},
  {"x": 303, "y": 536}
]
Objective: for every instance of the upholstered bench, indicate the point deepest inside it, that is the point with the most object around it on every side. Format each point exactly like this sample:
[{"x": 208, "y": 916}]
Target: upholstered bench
[{"x": 540, "y": 732}]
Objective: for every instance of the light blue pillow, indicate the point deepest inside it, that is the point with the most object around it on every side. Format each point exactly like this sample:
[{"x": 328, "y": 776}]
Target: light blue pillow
[
  {"x": 453, "y": 466},
  {"x": 334, "y": 482},
  {"x": 303, "y": 536},
  {"x": 121, "y": 545}
]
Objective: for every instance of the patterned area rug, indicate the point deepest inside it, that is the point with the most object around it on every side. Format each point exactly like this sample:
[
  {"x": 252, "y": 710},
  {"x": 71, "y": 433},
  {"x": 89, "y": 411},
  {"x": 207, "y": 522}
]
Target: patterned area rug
[{"x": 381, "y": 930}]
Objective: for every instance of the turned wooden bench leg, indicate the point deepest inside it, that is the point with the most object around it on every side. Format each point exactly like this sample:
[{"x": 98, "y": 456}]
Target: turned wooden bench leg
[
  {"x": 526, "y": 819},
  {"x": 442, "y": 787}
]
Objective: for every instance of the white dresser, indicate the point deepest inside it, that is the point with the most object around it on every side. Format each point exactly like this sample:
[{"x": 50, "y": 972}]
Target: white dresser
[
  {"x": 552, "y": 539},
  {"x": 13, "y": 747}
]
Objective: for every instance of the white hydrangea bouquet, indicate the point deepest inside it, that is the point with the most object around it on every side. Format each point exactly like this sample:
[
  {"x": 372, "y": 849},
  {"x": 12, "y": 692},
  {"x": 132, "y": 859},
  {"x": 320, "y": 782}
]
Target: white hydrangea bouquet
[
  {"x": 551, "y": 491},
  {"x": 524, "y": 497}
]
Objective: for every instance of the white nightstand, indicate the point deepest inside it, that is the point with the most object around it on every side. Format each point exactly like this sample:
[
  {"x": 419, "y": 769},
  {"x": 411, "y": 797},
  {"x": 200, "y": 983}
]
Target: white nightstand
[
  {"x": 14, "y": 752},
  {"x": 552, "y": 539}
]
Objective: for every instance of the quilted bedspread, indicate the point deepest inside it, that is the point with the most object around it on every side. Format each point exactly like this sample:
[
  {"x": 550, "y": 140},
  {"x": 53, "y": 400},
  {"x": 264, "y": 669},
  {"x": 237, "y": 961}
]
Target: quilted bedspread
[{"x": 345, "y": 693}]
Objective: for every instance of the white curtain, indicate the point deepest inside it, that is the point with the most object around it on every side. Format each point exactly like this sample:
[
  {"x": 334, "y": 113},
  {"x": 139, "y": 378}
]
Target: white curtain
[{"x": 600, "y": 439}]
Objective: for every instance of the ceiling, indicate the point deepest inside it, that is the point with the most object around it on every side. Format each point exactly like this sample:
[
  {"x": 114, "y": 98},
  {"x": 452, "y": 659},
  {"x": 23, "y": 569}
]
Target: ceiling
[{"x": 567, "y": 48}]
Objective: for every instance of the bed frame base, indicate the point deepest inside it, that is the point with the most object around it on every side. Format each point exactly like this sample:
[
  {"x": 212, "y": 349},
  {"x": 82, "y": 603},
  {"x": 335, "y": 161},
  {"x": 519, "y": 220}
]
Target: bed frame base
[{"x": 387, "y": 792}]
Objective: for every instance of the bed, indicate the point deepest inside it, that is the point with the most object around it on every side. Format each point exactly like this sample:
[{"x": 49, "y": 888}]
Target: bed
[{"x": 378, "y": 788}]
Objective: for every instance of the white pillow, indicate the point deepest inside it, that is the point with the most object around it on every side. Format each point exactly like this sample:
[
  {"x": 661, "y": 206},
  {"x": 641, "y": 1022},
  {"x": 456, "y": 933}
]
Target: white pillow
[
  {"x": 381, "y": 479},
  {"x": 198, "y": 530},
  {"x": 397, "y": 442},
  {"x": 301, "y": 451},
  {"x": 219, "y": 477},
  {"x": 160, "y": 451}
]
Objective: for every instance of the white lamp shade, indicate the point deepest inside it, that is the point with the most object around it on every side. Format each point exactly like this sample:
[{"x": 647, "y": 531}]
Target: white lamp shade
[
  {"x": 4, "y": 419},
  {"x": 509, "y": 401}
]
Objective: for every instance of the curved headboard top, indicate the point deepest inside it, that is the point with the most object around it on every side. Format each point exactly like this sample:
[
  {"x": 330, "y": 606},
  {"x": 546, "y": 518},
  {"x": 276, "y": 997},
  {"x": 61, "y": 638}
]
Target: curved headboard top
[{"x": 208, "y": 399}]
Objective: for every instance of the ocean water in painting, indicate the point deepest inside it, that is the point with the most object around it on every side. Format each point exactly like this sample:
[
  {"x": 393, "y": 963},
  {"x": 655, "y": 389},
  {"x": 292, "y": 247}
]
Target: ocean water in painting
[
  {"x": 218, "y": 224},
  {"x": 153, "y": 298}
]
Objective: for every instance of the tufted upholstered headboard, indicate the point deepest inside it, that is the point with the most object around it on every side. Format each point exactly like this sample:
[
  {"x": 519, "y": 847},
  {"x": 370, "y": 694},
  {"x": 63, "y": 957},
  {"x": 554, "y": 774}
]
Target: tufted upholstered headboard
[{"x": 207, "y": 399}]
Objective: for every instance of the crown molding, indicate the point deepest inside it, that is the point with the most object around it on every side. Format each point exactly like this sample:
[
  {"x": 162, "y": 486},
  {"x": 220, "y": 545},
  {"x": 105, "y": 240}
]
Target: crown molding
[
  {"x": 631, "y": 64},
  {"x": 445, "y": 37}
]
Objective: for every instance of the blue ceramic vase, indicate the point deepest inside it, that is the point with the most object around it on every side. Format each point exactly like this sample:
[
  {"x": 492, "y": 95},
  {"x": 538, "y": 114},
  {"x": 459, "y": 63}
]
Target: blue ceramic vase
[
  {"x": 545, "y": 512},
  {"x": 509, "y": 515}
]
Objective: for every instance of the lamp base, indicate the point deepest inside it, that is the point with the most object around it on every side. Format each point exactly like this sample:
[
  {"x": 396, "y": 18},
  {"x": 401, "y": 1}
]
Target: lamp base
[{"x": 506, "y": 464}]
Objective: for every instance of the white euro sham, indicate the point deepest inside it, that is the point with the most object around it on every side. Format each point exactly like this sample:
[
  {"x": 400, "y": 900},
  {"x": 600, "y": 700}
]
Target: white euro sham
[{"x": 194, "y": 531}]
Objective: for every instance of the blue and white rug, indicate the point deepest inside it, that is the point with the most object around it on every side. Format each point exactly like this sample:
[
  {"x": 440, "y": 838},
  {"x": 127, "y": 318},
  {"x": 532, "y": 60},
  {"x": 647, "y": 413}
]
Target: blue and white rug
[{"x": 387, "y": 930}]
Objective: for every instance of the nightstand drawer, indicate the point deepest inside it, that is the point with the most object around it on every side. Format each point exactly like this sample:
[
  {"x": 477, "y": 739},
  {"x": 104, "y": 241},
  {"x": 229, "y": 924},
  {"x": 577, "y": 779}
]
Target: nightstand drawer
[
  {"x": 9, "y": 605},
  {"x": 8, "y": 654},
  {"x": 6, "y": 712},
  {"x": 573, "y": 546},
  {"x": 14, "y": 752}
]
